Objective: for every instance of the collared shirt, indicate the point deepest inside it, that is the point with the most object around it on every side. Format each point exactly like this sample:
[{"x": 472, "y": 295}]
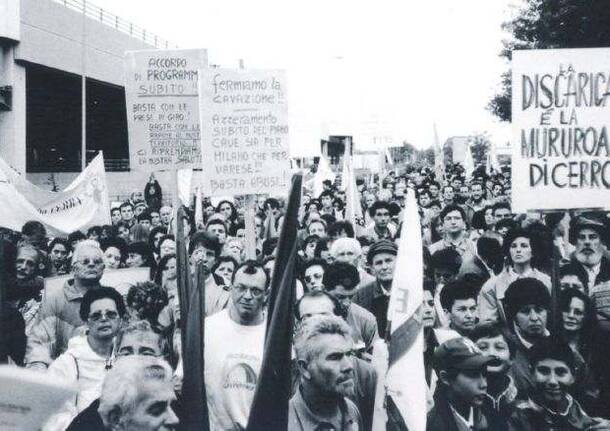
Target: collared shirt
[
  {"x": 463, "y": 246},
  {"x": 301, "y": 418},
  {"x": 461, "y": 422},
  {"x": 592, "y": 273}
]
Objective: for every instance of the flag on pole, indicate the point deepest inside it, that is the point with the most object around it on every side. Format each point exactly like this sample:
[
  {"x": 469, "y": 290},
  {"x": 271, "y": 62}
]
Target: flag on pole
[
  {"x": 185, "y": 177},
  {"x": 270, "y": 405},
  {"x": 323, "y": 173},
  {"x": 406, "y": 380},
  {"x": 353, "y": 209},
  {"x": 468, "y": 162},
  {"x": 439, "y": 169},
  {"x": 388, "y": 157},
  {"x": 492, "y": 160},
  {"x": 198, "y": 209}
]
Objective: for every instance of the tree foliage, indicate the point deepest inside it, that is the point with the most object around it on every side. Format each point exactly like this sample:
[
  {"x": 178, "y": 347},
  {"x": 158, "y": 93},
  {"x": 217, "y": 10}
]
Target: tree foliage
[{"x": 547, "y": 24}]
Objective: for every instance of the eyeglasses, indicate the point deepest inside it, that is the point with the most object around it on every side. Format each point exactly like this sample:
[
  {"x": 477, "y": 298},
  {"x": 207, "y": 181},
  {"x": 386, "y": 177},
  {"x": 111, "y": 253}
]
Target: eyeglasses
[
  {"x": 87, "y": 261},
  {"x": 254, "y": 291},
  {"x": 98, "y": 315}
]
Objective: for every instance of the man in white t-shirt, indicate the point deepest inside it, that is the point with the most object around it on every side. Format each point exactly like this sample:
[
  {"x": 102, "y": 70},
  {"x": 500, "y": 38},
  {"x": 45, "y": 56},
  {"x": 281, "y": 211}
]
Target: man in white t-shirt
[{"x": 234, "y": 345}]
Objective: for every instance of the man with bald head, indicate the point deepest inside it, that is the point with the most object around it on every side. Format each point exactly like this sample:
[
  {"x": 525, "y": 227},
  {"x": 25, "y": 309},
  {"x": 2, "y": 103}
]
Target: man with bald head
[{"x": 59, "y": 319}]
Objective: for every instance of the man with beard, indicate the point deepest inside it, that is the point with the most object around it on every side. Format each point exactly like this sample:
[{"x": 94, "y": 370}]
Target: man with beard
[
  {"x": 589, "y": 237},
  {"x": 234, "y": 345},
  {"x": 59, "y": 319},
  {"x": 323, "y": 349},
  {"x": 549, "y": 405},
  {"x": 462, "y": 370}
]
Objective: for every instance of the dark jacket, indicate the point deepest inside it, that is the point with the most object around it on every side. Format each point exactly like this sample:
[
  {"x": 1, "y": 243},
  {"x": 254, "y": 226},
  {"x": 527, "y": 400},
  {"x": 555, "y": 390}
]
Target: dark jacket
[
  {"x": 88, "y": 420},
  {"x": 529, "y": 416},
  {"x": 441, "y": 418},
  {"x": 372, "y": 298}
]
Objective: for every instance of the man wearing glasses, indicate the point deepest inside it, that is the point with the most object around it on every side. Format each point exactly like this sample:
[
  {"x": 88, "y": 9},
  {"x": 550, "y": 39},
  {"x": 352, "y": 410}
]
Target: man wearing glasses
[
  {"x": 234, "y": 345},
  {"x": 58, "y": 318}
]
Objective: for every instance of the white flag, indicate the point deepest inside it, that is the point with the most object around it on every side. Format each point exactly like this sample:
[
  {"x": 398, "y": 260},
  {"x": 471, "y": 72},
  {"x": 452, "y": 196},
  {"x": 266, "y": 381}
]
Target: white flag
[
  {"x": 406, "y": 380},
  {"x": 84, "y": 203},
  {"x": 323, "y": 173},
  {"x": 468, "y": 162}
]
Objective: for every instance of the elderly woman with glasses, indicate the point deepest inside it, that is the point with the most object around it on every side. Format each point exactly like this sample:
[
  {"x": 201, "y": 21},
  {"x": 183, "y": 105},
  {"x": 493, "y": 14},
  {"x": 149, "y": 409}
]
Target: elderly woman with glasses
[{"x": 89, "y": 355}]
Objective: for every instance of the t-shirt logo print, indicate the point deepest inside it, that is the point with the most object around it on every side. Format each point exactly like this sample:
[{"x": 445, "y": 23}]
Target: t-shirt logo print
[{"x": 240, "y": 376}]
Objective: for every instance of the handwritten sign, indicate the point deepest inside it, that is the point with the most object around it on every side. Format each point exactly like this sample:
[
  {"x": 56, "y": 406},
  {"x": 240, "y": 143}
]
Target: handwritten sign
[
  {"x": 163, "y": 108},
  {"x": 244, "y": 119},
  {"x": 561, "y": 113}
]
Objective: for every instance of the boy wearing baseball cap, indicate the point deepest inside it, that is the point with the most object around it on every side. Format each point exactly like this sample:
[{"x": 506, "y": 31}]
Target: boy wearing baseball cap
[
  {"x": 550, "y": 406},
  {"x": 462, "y": 369}
]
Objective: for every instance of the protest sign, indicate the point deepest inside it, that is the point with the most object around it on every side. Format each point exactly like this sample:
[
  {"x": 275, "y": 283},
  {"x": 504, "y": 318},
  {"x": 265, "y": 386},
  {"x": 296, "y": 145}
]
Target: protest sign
[
  {"x": 163, "y": 108},
  {"x": 84, "y": 203},
  {"x": 561, "y": 112},
  {"x": 244, "y": 122},
  {"x": 119, "y": 279},
  {"x": 28, "y": 398}
]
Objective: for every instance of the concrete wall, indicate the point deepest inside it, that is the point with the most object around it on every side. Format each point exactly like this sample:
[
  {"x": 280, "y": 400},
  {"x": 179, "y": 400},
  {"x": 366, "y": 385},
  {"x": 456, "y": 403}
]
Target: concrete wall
[
  {"x": 9, "y": 19},
  {"x": 12, "y": 123},
  {"x": 52, "y": 35}
]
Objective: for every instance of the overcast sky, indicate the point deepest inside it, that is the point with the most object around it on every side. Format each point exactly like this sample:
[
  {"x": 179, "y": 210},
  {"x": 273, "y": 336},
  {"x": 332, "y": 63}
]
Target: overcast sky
[{"x": 385, "y": 68}]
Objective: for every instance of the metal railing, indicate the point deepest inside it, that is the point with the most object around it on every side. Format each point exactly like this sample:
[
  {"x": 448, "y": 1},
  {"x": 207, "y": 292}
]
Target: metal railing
[{"x": 95, "y": 12}]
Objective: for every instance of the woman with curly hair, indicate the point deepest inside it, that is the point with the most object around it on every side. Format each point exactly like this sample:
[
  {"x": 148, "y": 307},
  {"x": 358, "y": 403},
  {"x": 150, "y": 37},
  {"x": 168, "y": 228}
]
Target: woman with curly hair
[{"x": 145, "y": 301}]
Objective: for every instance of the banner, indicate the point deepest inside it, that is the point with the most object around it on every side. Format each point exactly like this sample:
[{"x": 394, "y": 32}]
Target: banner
[
  {"x": 244, "y": 123},
  {"x": 561, "y": 112},
  {"x": 163, "y": 108},
  {"x": 84, "y": 203}
]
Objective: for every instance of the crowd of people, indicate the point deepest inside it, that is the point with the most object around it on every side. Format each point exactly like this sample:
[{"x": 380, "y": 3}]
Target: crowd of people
[{"x": 516, "y": 310}]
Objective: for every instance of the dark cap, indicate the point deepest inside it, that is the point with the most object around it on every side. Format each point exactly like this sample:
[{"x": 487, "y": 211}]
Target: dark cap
[
  {"x": 525, "y": 291},
  {"x": 459, "y": 354},
  {"x": 587, "y": 222},
  {"x": 381, "y": 246}
]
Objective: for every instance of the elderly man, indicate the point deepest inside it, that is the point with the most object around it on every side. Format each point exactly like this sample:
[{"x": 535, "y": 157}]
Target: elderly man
[
  {"x": 58, "y": 319},
  {"x": 165, "y": 214},
  {"x": 349, "y": 250},
  {"x": 137, "y": 395},
  {"x": 375, "y": 296},
  {"x": 323, "y": 348},
  {"x": 234, "y": 345}
]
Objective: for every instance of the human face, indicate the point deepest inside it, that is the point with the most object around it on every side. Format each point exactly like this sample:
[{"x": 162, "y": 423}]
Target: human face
[
  {"x": 316, "y": 306},
  {"x": 424, "y": 200},
  {"x": 552, "y": 380},
  {"x": 570, "y": 281},
  {"x": 165, "y": 213},
  {"x": 589, "y": 247},
  {"x": 453, "y": 222},
  {"x": 58, "y": 254},
  {"x": 369, "y": 200},
  {"x": 112, "y": 258},
  {"x": 205, "y": 255},
  {"x": 443, "y": 276},
  {"x": 234, "y": 248},
  {"x": 158, "y": 237},
  {"x": 381, "y": 218},
  {"x": 155, "y": 219},
  {"x": 429, "y": 314},
  {"x": 145, "y": 223},
  {"x": 326, "y": 201},
  {"x": 347, "y": 256},
  {"x": 344, "y": 295},
  {"x": 520, "y": 251},
  {"x": 502, "y": 213},
  {"x": 317, "y": 228},
  {"x": 115, "y": 216},
  {"x": 490, "y": 221},
  {"x": 169, "y": 273},
  {"x": 313, "y": 277},
  {"x": 463, "y": 315},
  {"x": 448, "y": 194},
  {"x": 497, "y": 348},
  {"x": 140, "y": 343},
  {"x": 218, "y": 230},
  {"x": 126, "y": 213},
  {"x": 153, "y": 412},
  {"x": 135, "y": 260},
  {"x": 226, "y": 210},
  {"x": 167, "y": 247},
  {"x": 497, "y": 190},
  {"x": 124, "y": 233},
  {"x": 531, "y": 320},
  {"x": 310, "y": 249},
  {"x": 103, "y": 321},
  {"x": 241, "y": 235},
  {"x": 248, "y": 294},
  {"x": 225, "y": 270},
  {"x": 465, "y": 192},
  {"x": 574, "y": 315},
  {"x": 331, "y": 371},
  {"x": 26, "y": 263},
  {"x": 469, "y": 386},
  {"x": 139, "y": 210},
  {"x": 89, "y": 266},
  {"x": 383, "y": 266},
  {"x": 477, "y": 192},
  {"x": 433, "y": 191},
  {"x": 325, "y": 254}
]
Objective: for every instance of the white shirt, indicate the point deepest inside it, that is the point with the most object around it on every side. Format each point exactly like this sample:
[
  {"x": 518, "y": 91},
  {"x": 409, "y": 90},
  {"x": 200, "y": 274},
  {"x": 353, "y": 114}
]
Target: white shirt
[{"x": 233, "y": 359}]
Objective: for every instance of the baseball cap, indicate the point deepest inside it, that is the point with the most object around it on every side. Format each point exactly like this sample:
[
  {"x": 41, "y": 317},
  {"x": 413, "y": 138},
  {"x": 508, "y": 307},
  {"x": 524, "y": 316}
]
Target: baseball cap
[{"x": 459, "y": 354}]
